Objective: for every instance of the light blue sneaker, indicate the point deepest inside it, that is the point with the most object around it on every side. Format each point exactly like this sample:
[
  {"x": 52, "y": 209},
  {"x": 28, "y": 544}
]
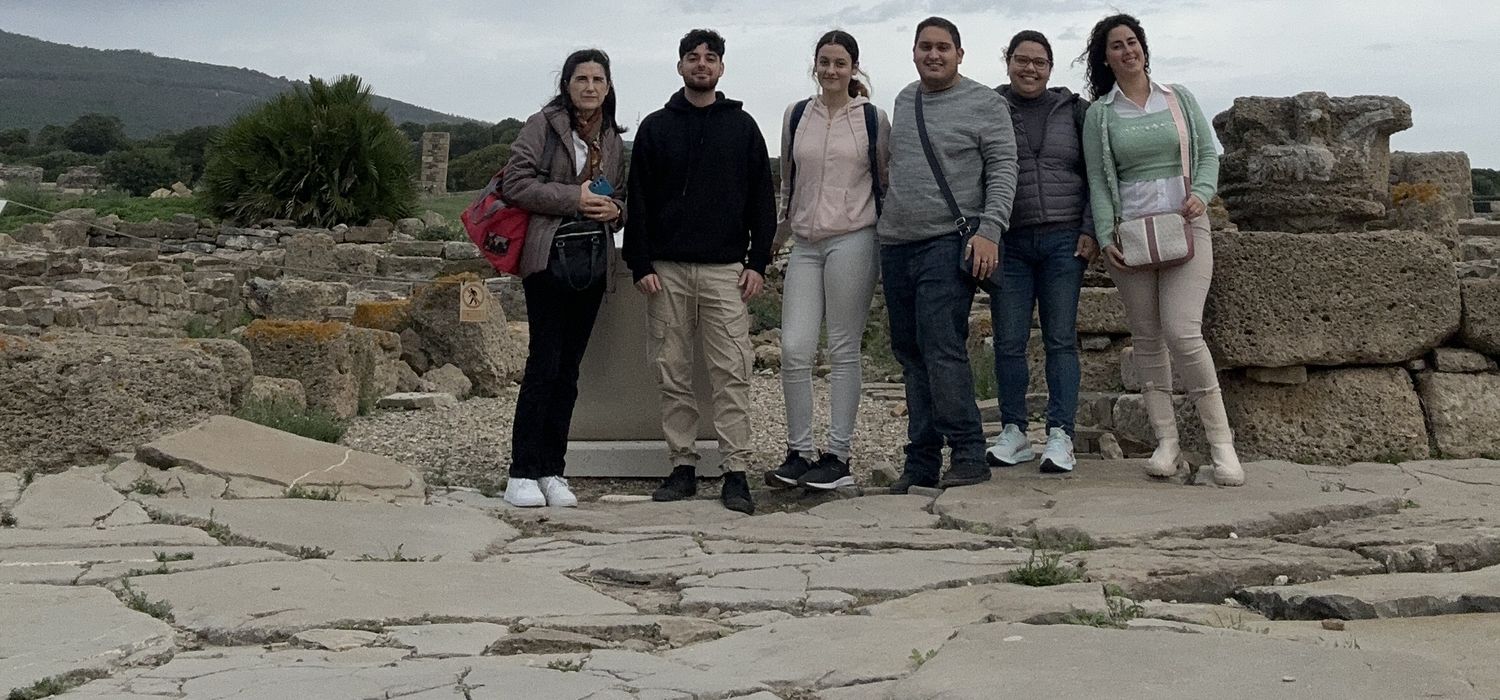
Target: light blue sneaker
[
  {"x": 1010, "y": 448},
  {"x": 1058, "y": 458}
]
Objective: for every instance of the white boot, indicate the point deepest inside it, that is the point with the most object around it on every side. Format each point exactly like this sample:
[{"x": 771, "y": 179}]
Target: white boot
[
  {"x": 1167, "y": 458},
  {"x": 1227, "y": 469}
]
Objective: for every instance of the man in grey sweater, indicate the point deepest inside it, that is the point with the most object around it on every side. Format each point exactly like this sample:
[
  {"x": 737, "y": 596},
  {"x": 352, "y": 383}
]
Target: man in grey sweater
[{"x": 927, "y": 294}]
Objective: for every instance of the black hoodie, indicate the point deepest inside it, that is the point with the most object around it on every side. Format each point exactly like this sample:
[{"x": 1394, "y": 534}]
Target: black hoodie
[{"x": 700, "y": 188}]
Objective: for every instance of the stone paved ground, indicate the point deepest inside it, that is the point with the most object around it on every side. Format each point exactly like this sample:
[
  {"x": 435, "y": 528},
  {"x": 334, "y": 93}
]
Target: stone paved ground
[{"x": 1368, "y": 581}]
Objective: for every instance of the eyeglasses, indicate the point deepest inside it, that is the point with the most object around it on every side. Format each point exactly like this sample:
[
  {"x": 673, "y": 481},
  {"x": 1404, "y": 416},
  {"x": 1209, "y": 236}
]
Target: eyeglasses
[{"x": 1037, "y": 63}]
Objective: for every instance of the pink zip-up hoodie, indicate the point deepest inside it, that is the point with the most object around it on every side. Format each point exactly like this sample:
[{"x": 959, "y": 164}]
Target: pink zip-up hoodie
[{"x": 833, "y": 194}]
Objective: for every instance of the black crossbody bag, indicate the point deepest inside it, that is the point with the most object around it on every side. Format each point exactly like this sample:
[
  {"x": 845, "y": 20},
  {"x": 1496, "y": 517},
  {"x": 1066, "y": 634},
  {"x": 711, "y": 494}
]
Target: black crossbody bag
[{"x": 966, "y": 228}]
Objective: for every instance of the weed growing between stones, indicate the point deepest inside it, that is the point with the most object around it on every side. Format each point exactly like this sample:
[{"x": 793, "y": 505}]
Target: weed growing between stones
[
  {"x": 441, "y": 233},
  {"x": 391, "y": 556},
  {"x": 285, "y": 417},
  {"x": 203, "y": 327},
  {"x": 1044, "y": 567},
  {"x": 160, "y": 569},
  {"x": 146, "y": 487},
  {"x": 56, "y": 685},
  {"x": 7, "y": 519},
  {"x": 1120, "y": 609},
  {"x": 305, "y": 552},
  {"x": 918, "y": 658},
  {"x": 568, "y": 665},
  {"x": 165, "y": 557},
  {"x": 313, "y": 494},
  {"x": 137, "y": 601},
  {"x": 1237, "y": 622}
]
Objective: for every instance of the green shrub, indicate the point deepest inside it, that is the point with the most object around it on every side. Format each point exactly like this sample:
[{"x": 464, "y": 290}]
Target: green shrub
[
  {"x": 473, "y": 171},
  {"x": 55, "y": 163},
  {"x": 95, "y": 133},
  {"x": 288, "y": 418},
  {"x": 319, "y": 155},
  {"x": 140, "y": 171}
]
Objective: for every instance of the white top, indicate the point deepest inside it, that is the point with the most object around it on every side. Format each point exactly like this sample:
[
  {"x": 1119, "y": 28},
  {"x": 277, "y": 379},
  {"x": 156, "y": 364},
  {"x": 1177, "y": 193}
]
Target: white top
[
  {"x": 1141, "y": 199},
  {"x": 581, "y": 153}
]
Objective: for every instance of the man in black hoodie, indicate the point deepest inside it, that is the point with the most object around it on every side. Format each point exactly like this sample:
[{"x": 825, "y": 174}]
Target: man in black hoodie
[{"x": 702, "y": 216}]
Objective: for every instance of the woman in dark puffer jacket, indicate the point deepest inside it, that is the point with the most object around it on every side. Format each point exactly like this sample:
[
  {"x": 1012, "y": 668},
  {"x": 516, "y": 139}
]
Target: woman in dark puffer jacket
[{"x": 1048, "y": 245}]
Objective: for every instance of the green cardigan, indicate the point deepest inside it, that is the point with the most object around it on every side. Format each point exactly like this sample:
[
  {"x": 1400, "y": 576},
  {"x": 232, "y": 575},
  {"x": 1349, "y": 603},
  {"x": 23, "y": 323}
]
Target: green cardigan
[{"x": 1104, "y": 181}]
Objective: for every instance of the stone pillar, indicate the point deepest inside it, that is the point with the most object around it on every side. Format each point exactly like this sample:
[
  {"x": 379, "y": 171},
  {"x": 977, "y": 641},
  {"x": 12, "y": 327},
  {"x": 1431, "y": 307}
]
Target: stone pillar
[
  {"x": 435, "y": 162},
  {"x": 1309, "y": 162}
]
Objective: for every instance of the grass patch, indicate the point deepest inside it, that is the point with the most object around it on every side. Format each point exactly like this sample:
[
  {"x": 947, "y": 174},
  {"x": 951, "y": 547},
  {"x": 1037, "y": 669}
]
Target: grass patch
[
  {"x": 1119, "y": 610},
  {"x": 450, "y": 206},
  {"x": 165, "y": 557},
  {"x": 1044, "y": 567},
  {"x": 569, "y": 665},
  {"x": 56, "y": 685},
  {"x": 450, "y": 232},
  {"x": 160, "y": 569},
  {"x": 982, "y": 365},
  {"x": 288, "y": 418},
  {"x": 146, "y": 487},
  {"x": 132, "y": 209},
  {"x": 313, "y": 494},
  {"x": 137, "y": 601}
]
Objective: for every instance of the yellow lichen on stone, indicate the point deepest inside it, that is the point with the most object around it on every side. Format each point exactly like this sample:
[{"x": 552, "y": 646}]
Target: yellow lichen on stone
[
  {"x": 1415, "y": 192},
  {"x": 314, "y": 331},
  {"x": 391, "y": 316}
]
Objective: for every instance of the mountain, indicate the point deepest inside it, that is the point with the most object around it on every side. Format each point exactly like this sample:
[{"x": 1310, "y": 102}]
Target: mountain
[{"x": 43, "y": 83}]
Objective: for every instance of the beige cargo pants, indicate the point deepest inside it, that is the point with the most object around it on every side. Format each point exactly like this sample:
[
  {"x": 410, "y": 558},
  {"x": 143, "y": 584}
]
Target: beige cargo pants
[{"x": 702, "y": 301}]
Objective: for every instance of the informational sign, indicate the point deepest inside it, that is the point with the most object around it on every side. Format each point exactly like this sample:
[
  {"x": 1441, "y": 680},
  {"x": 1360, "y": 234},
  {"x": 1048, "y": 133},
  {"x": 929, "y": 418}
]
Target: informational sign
[{"x": 473, "y": 303}]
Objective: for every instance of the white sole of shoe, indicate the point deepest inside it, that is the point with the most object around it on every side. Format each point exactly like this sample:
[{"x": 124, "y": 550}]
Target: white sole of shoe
[
  {"x": 527, "y": 504},
  {"x": 994, "y": 459},
  {"x": 836, "y": 483}
]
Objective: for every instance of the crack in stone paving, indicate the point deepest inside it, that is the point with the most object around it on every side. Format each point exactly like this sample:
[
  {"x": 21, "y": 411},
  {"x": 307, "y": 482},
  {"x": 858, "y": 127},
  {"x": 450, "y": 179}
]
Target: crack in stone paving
[
  {"x": 348, "y": 453},
  {"x": 1460, "y": 481}
]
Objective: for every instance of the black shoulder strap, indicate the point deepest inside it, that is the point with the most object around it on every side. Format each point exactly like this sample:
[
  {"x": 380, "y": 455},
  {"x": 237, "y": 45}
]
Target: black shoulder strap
[
  {"x": 791, "y": 142},
  {"x": 937, "y": 169},
  {"x": 872, "y": 129}
]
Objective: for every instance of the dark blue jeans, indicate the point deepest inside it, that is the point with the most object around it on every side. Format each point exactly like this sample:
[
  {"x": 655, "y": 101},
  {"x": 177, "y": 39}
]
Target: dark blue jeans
[
  {"x": 928, "y": 300},
  {"x": 1039, "y": 269}
]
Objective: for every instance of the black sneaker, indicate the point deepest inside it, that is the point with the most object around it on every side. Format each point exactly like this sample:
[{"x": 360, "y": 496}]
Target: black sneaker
[
  {"x": 909, "y": 479},
  {"x": 789, "y": 472},
  {"x": 829, "y": 473},
  {"x": 966, "y": 475},
  {"x": 683, "y": 483},
  {"x": 735, "y": 493}
]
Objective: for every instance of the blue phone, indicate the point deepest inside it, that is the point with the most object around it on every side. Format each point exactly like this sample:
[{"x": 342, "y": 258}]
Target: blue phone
[{"x": 601, "y": 186}]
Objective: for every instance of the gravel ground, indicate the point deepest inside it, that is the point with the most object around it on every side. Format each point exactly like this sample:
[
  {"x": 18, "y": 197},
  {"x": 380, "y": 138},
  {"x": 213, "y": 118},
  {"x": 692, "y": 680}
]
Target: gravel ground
[{"x": 470, "y": 445}]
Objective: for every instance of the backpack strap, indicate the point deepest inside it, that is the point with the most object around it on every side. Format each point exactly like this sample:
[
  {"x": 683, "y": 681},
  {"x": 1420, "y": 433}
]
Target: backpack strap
[
  {"x": 872, "y": 129},
  {"x": 791, "y": 142}
]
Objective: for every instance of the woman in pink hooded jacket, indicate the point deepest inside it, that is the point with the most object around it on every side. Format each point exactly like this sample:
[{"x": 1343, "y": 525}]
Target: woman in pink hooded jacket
[{"x": 834, "y": 150}]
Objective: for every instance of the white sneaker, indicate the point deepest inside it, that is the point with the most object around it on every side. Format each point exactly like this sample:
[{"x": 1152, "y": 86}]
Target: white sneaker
[
  {"x": 1009, "y": 448},
  {"x": 524, "y": 493},
  {"x": 557, "y": 492},
  {"x": 1057, "y": 458}
]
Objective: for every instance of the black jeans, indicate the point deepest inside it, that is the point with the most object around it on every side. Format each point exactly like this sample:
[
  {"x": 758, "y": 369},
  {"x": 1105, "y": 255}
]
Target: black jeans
[{"x": 561, "y": 321}]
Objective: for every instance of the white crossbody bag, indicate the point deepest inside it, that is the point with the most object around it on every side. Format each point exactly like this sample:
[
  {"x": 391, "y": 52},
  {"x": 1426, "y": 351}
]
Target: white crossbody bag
[{"x": 1160, "y": 240}]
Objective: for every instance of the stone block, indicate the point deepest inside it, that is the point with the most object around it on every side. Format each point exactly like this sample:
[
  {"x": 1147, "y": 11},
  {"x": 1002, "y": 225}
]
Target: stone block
[
  {"x": 311, "y": 253},
  {"x": 1463, "y": 413},
  {"x": 356, "y": 259},
  {"x": 464, "y": 250},
  {"x": 1100, "y": 311},
  {"x": 488, "y": 352},
  {"x": 1479, "y": 227},
  {"x": 1481, "y": 315},
  {"x": 425, "y": 249},
  {"x": 1474, "y": 248},
  {"x": 1280, "y": 299},
  {"x": 417, "y": 400},
  {"x": 1460, "y": 360},
  {"x": 1448, "y": 170},
  {"x": 278, "y": 390},
  {"x": 318, "y": 354},
  {"x": 410, "y": 226},
  {"x": 393, "y": 316},
  {"x": 77, "y": 398},
  {"x": 367, "y": 234},
  {"x": 294, "y": 299},
  {"x": 448, "y": 379},
  {"x": 1339, "y": 416},
  {"x": 1308, "y": 162},
  {"x": 412, "y": 268}
]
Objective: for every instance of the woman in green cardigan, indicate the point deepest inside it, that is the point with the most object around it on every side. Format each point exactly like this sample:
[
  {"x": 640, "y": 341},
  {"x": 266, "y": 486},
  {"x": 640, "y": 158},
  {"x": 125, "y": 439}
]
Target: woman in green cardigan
[{"x": 1132, "y": 151}]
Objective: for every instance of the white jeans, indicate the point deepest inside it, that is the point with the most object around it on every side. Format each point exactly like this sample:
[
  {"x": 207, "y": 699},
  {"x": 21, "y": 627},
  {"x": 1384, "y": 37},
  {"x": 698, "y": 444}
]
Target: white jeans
[{"x": 829, "y": 281}]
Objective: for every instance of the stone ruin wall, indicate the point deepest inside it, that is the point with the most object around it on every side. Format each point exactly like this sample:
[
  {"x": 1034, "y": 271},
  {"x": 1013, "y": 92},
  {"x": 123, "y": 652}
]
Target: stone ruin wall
[{"x": 1354, "y": 315}]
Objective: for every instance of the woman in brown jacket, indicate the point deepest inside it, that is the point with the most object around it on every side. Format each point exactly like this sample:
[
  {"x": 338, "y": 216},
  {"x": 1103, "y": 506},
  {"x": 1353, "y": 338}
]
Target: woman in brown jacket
[{"x": 567, "y": 168}]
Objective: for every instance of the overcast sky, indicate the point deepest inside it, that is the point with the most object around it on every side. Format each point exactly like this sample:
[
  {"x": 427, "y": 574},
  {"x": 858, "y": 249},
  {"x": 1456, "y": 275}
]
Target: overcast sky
[{"x": 499, "y": 58}]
